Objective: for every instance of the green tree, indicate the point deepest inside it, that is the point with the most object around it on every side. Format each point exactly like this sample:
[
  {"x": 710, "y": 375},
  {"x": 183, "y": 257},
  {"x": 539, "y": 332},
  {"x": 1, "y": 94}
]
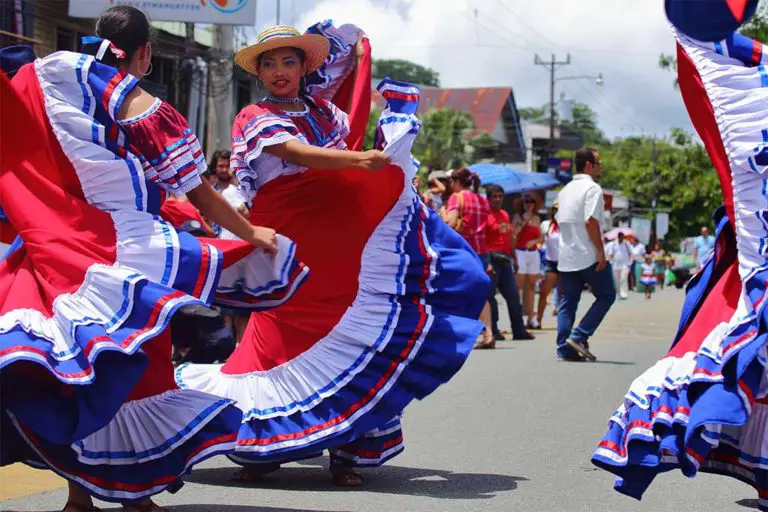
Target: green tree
[
  {"x": 484, "y": 147},
  {"x": 442, "y": 142},
  {"x": 686, "y": 183},
  {"x": 405, "y": 71},
  {"x": 370, "y": 128},
  {"x": 584, "y": 121}
]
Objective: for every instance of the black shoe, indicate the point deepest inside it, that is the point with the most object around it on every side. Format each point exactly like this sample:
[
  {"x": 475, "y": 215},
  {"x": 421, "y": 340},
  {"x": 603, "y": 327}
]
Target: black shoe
[
  {"x": 570, "y": 359},
  {"x": 499, "y": 337},
  {"x": 525, "y": 336}
]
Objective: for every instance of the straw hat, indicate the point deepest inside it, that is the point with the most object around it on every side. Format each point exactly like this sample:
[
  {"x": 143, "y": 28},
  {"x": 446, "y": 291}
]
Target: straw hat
[{"x": 315, "y": 47}]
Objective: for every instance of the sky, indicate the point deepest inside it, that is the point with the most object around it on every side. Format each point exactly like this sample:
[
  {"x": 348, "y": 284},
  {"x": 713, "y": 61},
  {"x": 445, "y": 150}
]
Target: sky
[{"x": 476, "y": 43}]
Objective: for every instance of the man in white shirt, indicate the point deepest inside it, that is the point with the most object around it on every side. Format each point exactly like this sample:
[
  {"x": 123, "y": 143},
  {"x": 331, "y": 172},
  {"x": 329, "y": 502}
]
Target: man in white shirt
[
  {"x": 226, "y": 185},
  {"x": 582, "y": 258},
  {"x": 619, "y": 253}
]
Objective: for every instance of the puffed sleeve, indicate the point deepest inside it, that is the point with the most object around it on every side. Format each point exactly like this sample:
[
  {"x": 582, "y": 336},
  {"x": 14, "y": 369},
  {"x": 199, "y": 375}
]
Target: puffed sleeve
[
  {"x": 169, "y": 151},
  {"x": 256, "y": 128}
]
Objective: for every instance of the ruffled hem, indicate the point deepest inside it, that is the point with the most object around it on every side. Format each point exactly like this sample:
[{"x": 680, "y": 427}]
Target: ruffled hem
[
  {"x": 206, "y": 427},
  {"x": 409, "y": 330}
]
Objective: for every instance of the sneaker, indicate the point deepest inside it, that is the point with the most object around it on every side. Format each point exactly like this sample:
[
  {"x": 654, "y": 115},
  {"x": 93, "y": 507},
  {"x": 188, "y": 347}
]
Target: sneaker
[
  {"x": 534, "y": 324},
  {"x": 582, "y": 349}
]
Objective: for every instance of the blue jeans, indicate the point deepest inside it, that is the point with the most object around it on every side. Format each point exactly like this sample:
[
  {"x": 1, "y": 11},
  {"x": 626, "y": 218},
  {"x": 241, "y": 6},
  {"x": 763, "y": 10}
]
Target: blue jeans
[
  {"x": 572, "y": 285},
  {"x": 503, "y": 278}
]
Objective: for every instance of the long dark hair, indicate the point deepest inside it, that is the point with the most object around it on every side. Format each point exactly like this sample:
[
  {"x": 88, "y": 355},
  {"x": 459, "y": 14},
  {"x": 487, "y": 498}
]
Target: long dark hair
[
  {"x": 467, "y": 178},
  {"x": 218, "y": 155},
  {"x": 127, "y": 28}
]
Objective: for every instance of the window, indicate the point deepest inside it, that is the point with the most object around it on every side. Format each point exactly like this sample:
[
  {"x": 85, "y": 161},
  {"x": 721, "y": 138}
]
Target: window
[{"x": 65, "y": 39}]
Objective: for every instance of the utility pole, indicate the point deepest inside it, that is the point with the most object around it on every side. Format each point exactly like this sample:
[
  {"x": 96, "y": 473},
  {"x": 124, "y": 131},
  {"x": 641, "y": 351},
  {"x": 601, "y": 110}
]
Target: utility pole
[
  {"x": 222, "y": 85},
  {"x": 278, "y": 11},
  {"x": 553, "y": 65},
  {"x": 653, "y": 193}
]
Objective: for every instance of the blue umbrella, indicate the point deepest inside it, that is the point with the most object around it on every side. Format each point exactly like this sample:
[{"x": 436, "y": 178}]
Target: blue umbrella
[{"x": 513, "y": 181}]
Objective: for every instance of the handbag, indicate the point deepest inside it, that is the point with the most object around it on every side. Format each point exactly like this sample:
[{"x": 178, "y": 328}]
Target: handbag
[{"x": 499, "y": 258}]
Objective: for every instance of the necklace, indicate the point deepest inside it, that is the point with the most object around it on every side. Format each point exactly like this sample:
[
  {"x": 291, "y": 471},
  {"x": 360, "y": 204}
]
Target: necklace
[{"x": 284, "y": 101}]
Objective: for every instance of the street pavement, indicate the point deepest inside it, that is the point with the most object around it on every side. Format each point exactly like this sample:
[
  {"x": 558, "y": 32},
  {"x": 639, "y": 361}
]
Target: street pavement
[{"x": 514, "y": 431}]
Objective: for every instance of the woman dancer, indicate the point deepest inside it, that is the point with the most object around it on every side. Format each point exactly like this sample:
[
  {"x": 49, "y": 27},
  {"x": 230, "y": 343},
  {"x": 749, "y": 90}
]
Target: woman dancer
[
  {"x": 703, "y": 407},
  {"x": 391, "y": 309},
  {"x": 87, "y": 381}
]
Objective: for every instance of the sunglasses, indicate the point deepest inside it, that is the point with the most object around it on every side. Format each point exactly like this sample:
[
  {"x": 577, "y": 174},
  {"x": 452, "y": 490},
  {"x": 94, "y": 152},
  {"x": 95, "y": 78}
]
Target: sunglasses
[{"x": 530, "y": 201}]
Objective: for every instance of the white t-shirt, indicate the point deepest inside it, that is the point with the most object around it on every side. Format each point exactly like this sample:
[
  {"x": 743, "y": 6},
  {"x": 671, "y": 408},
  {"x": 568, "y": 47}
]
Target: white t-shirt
[
  {"x": 236, "y": 199},
  {"x": 638, "y": 252},
  {"x": 620, "y": 254},
  {"x": 551, "y": 241},
  {"x": 580, "y": 200}
]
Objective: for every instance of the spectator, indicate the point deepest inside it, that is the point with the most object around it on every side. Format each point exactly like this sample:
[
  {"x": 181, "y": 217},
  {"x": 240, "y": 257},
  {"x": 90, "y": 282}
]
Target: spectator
[
  {"x": 435, "y": 195},
  {"x": 527, "y": 240},
  {"x": 659, "y": 262},
  {"x": 498, "y": 234},
  {"x": 619, "y": 253},
  {"x": 226, "y": 185},
  {"x": 551, "y": 232},
  {"x": 638, "y": 255},
  {"x": 703, "y": 245},
  {"x": 582, "y": 258},
  {"x": 467, "y": 213},
  {"x": 648, "y": 275}
]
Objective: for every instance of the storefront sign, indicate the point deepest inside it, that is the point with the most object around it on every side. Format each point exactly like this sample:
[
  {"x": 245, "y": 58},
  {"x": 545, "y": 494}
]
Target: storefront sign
[{"x": 225, "y": 12}]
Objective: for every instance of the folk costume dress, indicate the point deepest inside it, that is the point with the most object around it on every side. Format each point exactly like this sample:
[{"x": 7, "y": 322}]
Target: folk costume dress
[
  {"x": 704, "y": 406},
  {"x": 390, "y": 311},
  {"x": 87, "y": 383}
]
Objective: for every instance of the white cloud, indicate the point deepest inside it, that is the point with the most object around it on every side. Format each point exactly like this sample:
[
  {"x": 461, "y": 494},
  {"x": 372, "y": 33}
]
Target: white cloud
[{"x": 621, "y": 39}]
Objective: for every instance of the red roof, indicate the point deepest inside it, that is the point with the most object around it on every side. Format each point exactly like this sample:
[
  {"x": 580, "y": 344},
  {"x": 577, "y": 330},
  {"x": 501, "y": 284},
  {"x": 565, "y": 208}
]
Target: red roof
[{"x": 484, "y": 104}]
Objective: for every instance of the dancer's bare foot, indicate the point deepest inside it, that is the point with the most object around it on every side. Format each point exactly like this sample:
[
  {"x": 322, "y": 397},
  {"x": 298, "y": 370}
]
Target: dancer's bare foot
[
  {"x": 346, "y": 477},
  {"x": 254, "y": 473},
  {"x": 144, "y": 506},
  {"x": 79, "y": 500}
]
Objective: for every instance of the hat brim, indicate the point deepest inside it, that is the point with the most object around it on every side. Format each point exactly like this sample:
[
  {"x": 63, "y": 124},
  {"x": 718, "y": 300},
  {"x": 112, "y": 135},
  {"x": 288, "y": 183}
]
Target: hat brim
[{"x": 314, "y": 46}]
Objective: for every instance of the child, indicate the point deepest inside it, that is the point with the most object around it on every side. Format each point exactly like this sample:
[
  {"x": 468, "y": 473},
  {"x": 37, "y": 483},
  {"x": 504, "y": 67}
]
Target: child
[{"x": 648, "y": 275}]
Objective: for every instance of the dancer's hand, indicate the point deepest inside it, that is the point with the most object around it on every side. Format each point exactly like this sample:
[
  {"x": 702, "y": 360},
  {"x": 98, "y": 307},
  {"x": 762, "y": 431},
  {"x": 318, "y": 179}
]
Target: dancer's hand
[
  {"x": 373, "y": 160},
  {"x": 264, "y": 238}
]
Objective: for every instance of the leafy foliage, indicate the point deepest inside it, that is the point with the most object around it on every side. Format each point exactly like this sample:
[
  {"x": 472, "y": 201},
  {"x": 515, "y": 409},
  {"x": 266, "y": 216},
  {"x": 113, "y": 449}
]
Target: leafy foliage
[
  {"x": 686, "y": 183},
  {"x": 370, "y": 128},
  {"x": 405, "y": 71},
  {"x": 442, "y": 142}
]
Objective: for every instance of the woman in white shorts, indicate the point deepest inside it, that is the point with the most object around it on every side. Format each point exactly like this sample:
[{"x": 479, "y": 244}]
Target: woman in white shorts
[{"x": 527, "y": 240}]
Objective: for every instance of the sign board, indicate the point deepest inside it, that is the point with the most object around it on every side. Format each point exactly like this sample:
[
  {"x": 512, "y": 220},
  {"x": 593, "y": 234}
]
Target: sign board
[
  {"x": 642, "y": 229},
  {"x": 662, "y": 225},
  {"x": 223, "y": 12}
]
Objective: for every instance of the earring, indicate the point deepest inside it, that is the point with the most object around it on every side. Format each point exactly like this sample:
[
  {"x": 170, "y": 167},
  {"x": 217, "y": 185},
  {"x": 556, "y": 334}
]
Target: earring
[{"x": 149, "y": 70}]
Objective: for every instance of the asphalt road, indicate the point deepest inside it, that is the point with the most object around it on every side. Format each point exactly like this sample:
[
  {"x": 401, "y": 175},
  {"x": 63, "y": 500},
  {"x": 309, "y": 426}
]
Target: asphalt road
[{"x": 514, "y": 431}]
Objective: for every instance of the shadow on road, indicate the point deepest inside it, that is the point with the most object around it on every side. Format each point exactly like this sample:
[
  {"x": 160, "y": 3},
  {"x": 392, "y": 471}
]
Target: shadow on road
[
  {"x": 615, "y": 363},
  {"x": 755, "y": 504},
  {"x": 238, "y": 508},
  {"x": 313, "y": 476}
]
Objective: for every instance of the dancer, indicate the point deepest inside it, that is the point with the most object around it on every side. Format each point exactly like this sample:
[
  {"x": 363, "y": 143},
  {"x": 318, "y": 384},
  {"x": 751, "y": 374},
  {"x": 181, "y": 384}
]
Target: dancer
[
  {"x": 85, "y": 299},
  {"x": 703, "y": 406},
  {"x": 391, "y": 309}
]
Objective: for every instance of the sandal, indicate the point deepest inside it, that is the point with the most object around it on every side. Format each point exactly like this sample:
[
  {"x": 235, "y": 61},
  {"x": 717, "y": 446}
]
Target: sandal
[
  {"x": 71, "y": 506},
  {"x": 254, "y": 473},
  {"x": 346, "y": 477}
]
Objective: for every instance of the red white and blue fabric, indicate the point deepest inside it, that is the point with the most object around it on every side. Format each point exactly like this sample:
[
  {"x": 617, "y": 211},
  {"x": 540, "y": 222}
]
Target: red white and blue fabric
[
  {"x": 703, "y": 407},
  {"x": 85, "y": 300},
  {"x": 709, "y": 20},
  {"x": 389, "y": 314}
]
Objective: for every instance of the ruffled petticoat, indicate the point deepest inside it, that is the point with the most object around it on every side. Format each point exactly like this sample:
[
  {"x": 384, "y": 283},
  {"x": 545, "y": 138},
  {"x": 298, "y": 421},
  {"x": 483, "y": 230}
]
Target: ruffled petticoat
[
  {"x": 85, "y": 299},
  {"x": 703, "y": 407}
]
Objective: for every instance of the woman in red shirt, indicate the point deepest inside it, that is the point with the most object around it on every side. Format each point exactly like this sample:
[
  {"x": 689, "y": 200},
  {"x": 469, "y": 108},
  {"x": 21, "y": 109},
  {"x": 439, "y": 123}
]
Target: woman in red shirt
[
  {"x": 527, "y": 240},
  {"x": 498, "y": 234}
]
